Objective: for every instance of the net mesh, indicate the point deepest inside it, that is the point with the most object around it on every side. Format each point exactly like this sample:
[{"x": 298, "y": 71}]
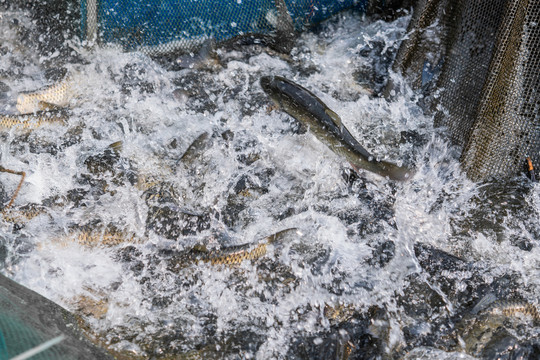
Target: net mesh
[
  {"x": 171, "y": 25},
  {"x": 477, "y": 63},
  {"x": 28, "y": 320}
]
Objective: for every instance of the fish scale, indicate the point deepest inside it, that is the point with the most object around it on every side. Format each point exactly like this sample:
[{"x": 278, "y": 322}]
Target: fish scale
[
  {"x": 107, "y": 238},
  {"x": 32, "y": 121},
  {"x": 230, "y": 255},
  {"x": 512, "y": 308},
  {"x": 22, "y": 215},
  {"x": 58, "y": 94},
  {"x": 42, "y": 106},
  {"x": 223, "y": 257}
]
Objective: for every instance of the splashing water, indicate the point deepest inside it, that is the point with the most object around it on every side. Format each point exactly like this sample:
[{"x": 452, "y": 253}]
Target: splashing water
[{"x": 371, "y": 267}]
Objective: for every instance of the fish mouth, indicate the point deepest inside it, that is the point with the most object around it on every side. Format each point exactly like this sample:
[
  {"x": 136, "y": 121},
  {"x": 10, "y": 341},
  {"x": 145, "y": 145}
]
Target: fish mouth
[{"x": 266, "y": 83}]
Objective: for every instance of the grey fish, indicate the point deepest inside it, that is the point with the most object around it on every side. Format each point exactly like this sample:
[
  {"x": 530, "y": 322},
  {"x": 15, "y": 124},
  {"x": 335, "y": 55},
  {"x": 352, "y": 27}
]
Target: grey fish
[
  {"x": 326, "y": 125},
  {"x": 197, "y": 147},
  {"x": 284, "y": 29}
]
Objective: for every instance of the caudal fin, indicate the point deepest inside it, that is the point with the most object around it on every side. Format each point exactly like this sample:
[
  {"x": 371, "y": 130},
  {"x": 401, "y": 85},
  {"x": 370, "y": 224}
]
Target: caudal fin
[{"x": 386, "y": 169}]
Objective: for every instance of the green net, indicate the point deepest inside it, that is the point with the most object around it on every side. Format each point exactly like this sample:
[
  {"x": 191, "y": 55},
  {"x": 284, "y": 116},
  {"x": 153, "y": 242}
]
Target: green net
[{"x": 27, "y": 320}]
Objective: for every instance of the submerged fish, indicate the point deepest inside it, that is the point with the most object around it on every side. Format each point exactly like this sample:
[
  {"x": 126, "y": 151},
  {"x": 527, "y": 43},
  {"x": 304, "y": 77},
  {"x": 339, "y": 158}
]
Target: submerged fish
[
  {"x": 477, "y": 331},
  {"x": 48, "y": 114},
  {"x": 58, "y": 94},
  {"x": 193, "y": 152},
  {"x": 22, "y": 214},
  {"x": 230, "y": 255},
  {"x": 326, "y": 125},
  {"x": 489, "y": 304}
]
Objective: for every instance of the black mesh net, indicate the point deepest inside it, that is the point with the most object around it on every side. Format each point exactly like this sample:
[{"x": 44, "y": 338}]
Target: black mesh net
[{"x": 477, "y": 63}]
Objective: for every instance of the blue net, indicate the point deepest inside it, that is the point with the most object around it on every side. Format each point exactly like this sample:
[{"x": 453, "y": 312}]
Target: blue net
[{"x": 168, "y": 25}]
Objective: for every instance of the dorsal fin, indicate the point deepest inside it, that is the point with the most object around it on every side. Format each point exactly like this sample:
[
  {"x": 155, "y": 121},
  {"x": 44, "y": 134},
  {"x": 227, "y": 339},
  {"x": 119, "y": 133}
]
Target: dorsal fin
[
  {"x": 335, "y": 117},
  {"x": 116, "y": 146}
]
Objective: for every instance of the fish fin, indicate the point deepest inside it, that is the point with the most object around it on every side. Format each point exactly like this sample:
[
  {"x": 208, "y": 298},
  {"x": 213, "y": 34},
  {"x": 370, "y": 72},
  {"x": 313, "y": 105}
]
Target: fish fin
[
  {"x": 484, "y": 303},
  {"x": 280, "y": 235},
  {"x": 205, "y": 58},
  {"x": 209, "y": 48},
  {"x": 335, "y": 117},
  {"x": 116, "y": 146},
  {"x": 284, "y": 29}
]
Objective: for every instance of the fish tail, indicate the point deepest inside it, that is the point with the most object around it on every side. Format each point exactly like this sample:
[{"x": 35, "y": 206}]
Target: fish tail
[{"x": 385, "y": 169}]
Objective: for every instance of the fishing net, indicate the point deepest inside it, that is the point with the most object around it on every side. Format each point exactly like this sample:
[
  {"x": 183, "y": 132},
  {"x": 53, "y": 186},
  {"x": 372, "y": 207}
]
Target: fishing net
[
  {"x": 27, "y": 320},
  {"x": 477, "y": 63},
  {"x": 159, "y": 27},
  {"x": 166, "y": 26}
]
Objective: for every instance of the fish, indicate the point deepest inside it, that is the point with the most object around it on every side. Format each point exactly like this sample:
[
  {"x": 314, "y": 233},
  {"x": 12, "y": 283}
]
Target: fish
[
  {"x": 193, "y": 152},
  {"x": 513, "y": 308},
  {"x": 477, "y": 329},
  {"x": 46, "y": 105},
  {"x": 47, "y": 114},
  {"x": 23, "y": 214},
  {"x": 327, "y": 126},
  {"x": 230, "y": 255},
  {"x": 100, "y": 237},
  {"x": 58, "y": 94},
  {"x": 492, "y": 306},
  {"x": 284, "y": 34}
]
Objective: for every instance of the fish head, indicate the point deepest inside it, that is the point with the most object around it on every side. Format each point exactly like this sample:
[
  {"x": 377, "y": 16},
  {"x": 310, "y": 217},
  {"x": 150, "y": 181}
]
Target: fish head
[
  {"x": 277, "y": 88},
  {"x": 267, "y": 84},
  {"x": 270, "y": 87}
]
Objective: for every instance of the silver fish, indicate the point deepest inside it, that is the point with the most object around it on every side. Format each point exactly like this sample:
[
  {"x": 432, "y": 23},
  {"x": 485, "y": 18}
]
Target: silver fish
[{"x": 326, "y": 125}]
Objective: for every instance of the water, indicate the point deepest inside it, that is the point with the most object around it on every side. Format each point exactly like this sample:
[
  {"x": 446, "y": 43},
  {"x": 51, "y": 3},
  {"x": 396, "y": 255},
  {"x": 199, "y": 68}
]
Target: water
[{"x": 390, "y": 268}]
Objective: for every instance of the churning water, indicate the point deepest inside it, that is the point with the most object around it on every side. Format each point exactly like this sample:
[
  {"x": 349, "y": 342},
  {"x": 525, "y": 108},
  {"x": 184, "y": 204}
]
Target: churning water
[{"x": 368, "y": 268}]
